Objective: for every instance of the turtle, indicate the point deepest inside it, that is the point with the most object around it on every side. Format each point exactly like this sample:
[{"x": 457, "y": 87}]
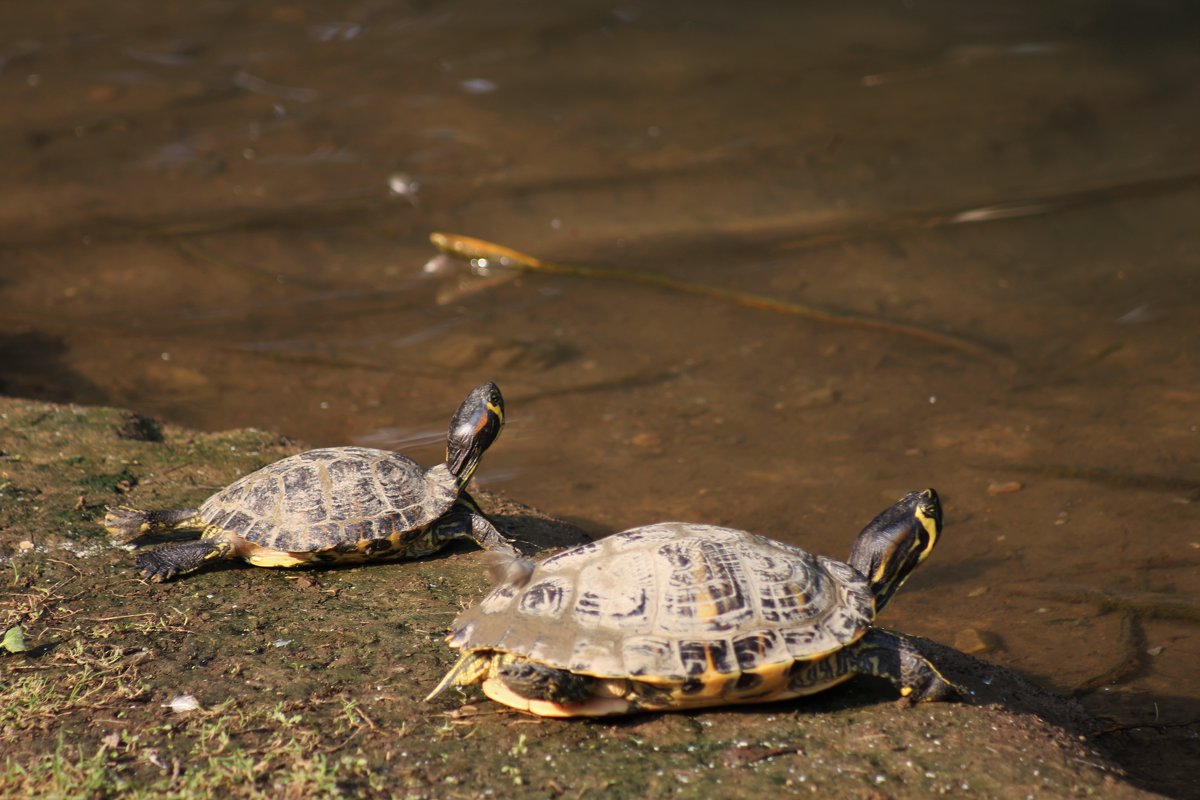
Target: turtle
[
  {"x": 333, "y": 504},
  {"x": 678, "y": 615}
]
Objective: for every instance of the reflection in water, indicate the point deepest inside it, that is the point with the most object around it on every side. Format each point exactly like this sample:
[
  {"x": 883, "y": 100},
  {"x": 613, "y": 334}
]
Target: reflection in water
[{"x": 228, "y": 228}]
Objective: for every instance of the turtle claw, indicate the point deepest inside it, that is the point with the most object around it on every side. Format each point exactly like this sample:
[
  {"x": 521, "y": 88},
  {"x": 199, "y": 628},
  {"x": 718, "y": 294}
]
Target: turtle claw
[
  {"x": 167, "y": 562},
  {"x": 155, "y": 568},
  {"x": 126, "y": 524},
  {"x": 935, "y": 690}
]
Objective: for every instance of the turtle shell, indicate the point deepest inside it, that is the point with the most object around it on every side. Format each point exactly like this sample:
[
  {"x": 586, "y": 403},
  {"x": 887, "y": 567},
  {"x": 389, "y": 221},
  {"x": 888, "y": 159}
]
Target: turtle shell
[
  {"x": 332, "y": 499},
  {"x": 673, "y": 602}
]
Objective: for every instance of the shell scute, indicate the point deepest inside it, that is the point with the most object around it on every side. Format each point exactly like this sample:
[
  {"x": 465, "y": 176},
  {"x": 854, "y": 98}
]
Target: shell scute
[
  {"x": 352, "y": 489},
  {"x": 650, "y": 655},
  {"x": 303, "y": 493},
  {"x": 708, "y": 656},
  {"x": 546, "y": 598},
  {"x": 760, "y": 647}
]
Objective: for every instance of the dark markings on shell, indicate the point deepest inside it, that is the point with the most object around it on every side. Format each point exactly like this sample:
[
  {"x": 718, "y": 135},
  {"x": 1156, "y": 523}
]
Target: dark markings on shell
[
  {"x": 378, "y": 546},
  {"x": 238, "y": 521},
  {"x": 752, "y": 650},
  {"x": 257, "y": 530},
  {"x": 768, "y": 567},
  {"x": 260, "y": 499},
  {"x": 703, "y": 657},
  {"x": 691, "y": 686},
  {"x": 791, "y": 602},
  {"x": 704, "y": 590},
  {"x": 799, "y": 640},
  {"x": 303, "y": 495},
  {"x": 358, "y": 530},
  {"x": 217, "y": 517},
  {"x": 461, "y": 635},
  {"x": 588, "y": 605},
  {"x": 747, "y": 681},
  {"x": 642, "y": 651},
  {"x": 325, "y": 533},
  {"x": 638, "y": 610},
  {"x": 386, "y": 527},
  {"x": 352, "y": 490},
  {"x": 397, "y": 480},
  {"x": 346, "y": 547},
  {"x": 544, "y": 598}
]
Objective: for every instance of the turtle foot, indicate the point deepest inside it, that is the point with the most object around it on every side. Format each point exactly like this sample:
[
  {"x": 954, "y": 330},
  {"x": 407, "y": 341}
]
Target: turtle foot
[
  {"x": 126, "y": 523},
  {"x": 167, "y": 562}
]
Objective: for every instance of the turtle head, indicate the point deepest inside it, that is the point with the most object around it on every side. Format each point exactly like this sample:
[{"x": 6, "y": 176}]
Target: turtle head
[
  {"x": 474, "y": 427},
  {"x": 896, "y": 541}
]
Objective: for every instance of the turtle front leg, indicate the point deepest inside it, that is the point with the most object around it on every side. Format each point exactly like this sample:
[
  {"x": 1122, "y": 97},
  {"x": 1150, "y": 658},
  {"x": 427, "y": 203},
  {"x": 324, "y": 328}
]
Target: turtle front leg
[
  {"x": 489, "y": 537},
  {"x": 466, "y": 521},
  {"x": 894, "y": 657},
  {"x": 126, "y": 523},
  {"x": 166, "y": 562}
]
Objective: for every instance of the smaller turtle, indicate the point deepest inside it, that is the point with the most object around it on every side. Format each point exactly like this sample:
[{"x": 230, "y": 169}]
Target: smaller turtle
[
  {"x": 679, "y": 616},
  {"x": 333, "y": 504}
]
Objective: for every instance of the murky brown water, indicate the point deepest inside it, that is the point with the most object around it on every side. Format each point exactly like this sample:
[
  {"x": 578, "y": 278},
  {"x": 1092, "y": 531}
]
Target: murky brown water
[{"x": 219, "y": 214}]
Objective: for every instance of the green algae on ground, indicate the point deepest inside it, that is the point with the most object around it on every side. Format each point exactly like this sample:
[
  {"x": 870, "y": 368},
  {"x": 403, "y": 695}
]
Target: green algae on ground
[{"x": 308, "y": 683}]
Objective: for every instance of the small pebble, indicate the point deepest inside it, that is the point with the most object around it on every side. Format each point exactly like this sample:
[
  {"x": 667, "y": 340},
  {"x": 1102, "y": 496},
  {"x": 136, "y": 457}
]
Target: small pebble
[
  {"x": 183, "y": 703},
  {"x": 1004, "y": 487},
  {"x": 646, "y": 439}
]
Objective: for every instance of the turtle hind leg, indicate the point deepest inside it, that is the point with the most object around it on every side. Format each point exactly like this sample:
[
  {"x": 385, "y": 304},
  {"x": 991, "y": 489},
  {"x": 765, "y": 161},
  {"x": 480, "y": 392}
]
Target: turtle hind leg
[
  {"x": 540, "y": 682},
  {"x": 126, "y": 523},
  {"x": 170, "y": 560},
  {"x": 895, "y": 658}
]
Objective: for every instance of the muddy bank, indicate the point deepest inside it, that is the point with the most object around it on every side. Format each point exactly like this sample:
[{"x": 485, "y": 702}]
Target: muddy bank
[{"x": 310, "y": 682}]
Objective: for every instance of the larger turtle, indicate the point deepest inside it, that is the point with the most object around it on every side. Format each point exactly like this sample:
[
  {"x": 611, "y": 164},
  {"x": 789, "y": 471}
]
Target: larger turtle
[
  {"x": 679, "y": 616},
  {"x": 333, "y": 504}
]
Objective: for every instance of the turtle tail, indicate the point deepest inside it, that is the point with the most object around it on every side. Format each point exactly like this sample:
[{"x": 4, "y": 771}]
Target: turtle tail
[
  {"x": 471, "y": 668},
  {"x": 127, "y": 524}
]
